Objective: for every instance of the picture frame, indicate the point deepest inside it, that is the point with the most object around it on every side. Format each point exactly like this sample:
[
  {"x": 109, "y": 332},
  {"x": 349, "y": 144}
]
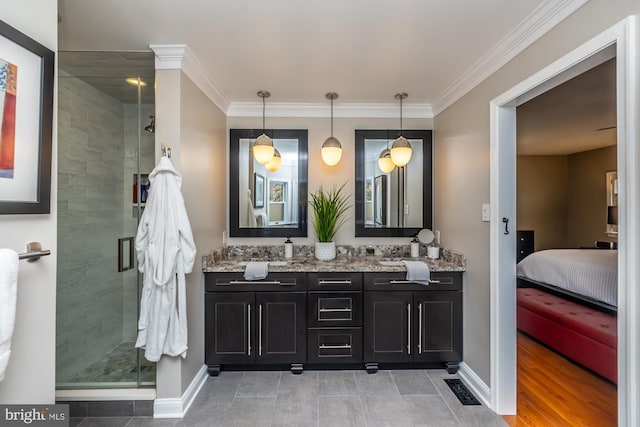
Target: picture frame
[
  {"x": 258, "y": 190},
  {"x": 26, "y": 93},
  {"x": 380, "y": 201}
]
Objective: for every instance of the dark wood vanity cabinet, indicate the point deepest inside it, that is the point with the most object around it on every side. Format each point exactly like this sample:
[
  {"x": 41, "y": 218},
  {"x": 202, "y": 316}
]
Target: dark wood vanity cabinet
[
  {"x": 260, "y": 322},
  {"x": 408, "y": 322},
  {"x": 332, "y": 318}
]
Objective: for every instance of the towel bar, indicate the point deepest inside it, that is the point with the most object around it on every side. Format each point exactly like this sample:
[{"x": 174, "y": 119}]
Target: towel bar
[{"x": 34, "y": 252}]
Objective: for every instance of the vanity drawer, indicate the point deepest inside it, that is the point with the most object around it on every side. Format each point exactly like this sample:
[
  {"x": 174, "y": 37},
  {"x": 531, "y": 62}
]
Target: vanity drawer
[
  {"x": 440, "y": 281},
  {"x": 334, "y": 309},
  {"x": 340, "y": 345},
  {"x": 235, "y": 282},
  {"x": 335, "y": 281}
]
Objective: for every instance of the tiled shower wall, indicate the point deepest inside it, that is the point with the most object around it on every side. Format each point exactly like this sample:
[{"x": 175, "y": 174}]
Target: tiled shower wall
[
  {"x": 97, "y": 152},
  {"x": 147, "y": 163}
]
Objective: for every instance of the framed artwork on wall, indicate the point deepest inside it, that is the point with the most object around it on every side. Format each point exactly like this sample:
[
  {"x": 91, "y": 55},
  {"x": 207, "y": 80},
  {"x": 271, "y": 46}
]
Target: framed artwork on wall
[{"x": 26, "y": 115}]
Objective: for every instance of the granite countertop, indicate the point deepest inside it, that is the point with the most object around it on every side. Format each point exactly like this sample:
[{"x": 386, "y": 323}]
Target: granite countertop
[{"x": 225, "y": 261}]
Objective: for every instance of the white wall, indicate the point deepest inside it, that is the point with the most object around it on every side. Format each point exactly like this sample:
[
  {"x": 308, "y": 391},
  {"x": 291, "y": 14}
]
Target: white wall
[
  {"x": 30, "y": 376},
  {"x": 462, "y": 156}
]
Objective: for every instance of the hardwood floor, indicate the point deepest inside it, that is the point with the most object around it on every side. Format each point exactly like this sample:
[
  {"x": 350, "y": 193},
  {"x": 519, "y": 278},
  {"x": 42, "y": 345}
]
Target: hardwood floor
[{"x": 552, "y": 391}]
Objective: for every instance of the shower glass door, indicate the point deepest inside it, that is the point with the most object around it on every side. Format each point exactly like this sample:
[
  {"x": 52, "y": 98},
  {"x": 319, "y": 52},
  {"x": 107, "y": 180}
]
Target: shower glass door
[{"x": 105, "y": 153}]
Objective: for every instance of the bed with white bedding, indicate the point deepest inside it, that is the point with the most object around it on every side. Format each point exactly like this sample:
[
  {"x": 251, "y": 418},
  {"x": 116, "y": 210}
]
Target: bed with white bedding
[{"x": 589, "y": 275}]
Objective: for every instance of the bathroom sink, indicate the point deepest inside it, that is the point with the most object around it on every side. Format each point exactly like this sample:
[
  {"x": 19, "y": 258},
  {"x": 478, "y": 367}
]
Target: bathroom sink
[
  {"x": 390, "y": 262},
  {"x": 271, "y": 263}
]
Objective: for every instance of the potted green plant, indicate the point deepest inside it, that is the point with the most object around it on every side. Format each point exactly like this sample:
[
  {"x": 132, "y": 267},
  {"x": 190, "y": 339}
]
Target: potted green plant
[{"x": 329, "y": 209}]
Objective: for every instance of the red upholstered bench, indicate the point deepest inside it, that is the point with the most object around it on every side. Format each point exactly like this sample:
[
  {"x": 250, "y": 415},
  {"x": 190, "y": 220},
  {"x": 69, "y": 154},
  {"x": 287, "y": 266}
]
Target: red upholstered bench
[{"x": 584, "y": 335}]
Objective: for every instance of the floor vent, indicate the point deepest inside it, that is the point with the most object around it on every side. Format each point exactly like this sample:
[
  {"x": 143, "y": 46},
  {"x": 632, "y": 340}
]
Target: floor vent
[{"x": 462, "y": 392}]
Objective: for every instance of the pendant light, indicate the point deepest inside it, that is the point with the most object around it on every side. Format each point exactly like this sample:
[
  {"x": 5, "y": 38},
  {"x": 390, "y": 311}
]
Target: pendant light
[
  {"x": 331, "y": 149},
  {"x": 385, "y": 163},
  {"x": 275, "y": 162},
  {"x": 401, "y": 149},
  {"x": 263, "y": 149}
]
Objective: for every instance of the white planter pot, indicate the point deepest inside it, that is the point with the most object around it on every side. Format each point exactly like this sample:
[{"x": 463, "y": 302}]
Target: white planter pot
[{"x": 325, "y": 251}]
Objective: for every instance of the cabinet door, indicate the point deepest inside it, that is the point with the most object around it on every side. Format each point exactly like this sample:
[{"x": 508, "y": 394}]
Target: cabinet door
[
  {"x": 438, "y": 331},
  {"x": 387, "y": 317},
  {"x": 229, "y": 320},
  {"x": 281, "y": 327}
]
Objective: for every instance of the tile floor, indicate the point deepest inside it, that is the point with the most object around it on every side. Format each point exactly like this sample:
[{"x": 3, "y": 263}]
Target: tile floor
[
  {"x": 322, "y": 398},
  {"x": 118, "y": 365}
]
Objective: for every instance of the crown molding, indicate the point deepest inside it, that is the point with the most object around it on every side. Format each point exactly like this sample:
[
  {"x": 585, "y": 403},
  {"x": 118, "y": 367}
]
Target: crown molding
[
  {"x": 179, "y": 57},
  {"x": 366, "y": 110},
  {"x": 540, "y": 21}
]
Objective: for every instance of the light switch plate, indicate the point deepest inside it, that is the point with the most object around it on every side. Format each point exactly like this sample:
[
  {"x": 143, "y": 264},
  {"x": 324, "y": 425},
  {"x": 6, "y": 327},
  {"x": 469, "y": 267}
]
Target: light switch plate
[{"x": 486, "y": 212}]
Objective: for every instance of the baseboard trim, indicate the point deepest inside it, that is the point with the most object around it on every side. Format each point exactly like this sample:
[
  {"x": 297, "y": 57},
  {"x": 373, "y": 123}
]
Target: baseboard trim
[
  {"x": 178, "y": 407},
  {"x": 475, "y": 384}
]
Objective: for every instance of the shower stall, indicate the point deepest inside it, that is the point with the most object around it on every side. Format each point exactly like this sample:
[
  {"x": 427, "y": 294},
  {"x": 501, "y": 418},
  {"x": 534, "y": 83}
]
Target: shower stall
[{"x": 105, "y": 153}]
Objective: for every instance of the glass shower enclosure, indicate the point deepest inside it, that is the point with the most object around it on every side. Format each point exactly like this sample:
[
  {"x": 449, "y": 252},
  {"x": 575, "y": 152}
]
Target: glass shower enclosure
[{"x": 105, "y": 153}]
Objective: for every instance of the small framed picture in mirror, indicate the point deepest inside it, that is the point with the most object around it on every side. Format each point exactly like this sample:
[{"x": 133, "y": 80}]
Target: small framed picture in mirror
[{"x": 258, "y": 190}]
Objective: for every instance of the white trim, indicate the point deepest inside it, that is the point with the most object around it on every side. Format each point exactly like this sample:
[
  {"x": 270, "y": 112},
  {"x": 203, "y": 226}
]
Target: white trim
[
  {"x": 106, "y": 394},
  {"x": 292, "y": 109},
  {"x": 475, "y": 384},
  {"x": 177, "y": 407},
  {"x": 624, "y": 36},
  {"x": 546, "y": 16},
  {"x": 180, "y": 57}
]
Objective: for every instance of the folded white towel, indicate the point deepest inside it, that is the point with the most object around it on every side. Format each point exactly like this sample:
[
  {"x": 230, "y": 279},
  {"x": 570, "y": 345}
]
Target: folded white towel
[
  {"x": 418, "y": 272},
  {"x": 8, "y": 293},
  {"x": 256, "y": 270}
]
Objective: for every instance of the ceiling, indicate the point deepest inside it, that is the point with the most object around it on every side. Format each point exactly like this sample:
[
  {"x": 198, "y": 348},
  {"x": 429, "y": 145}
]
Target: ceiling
[
  {"x": 365, "y": 50},
  {"x": 578, "y": 115}
]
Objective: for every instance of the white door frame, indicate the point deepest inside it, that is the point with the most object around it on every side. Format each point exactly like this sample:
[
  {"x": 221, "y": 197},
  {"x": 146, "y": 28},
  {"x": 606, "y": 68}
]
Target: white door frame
[{"x": 624, "y": 39}]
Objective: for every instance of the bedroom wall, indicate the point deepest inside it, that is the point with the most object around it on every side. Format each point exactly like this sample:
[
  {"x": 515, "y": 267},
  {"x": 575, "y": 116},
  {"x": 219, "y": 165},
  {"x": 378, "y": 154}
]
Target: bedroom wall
[
  {"x": 563, "y": 198},
  {"x": 542, "y": 203},
  {"x": 587, "y": 204}
]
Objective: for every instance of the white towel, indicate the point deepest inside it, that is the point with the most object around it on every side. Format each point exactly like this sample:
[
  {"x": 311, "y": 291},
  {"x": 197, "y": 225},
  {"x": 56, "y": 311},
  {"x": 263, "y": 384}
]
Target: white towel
[
  {"x": 418, "y": 272},
  {"x": 8, "y": 293},
  {"x": 256, "y": 270}
]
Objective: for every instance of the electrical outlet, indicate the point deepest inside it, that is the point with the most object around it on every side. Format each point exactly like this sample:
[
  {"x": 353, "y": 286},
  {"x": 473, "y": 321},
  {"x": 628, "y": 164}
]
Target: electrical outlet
[
  {"x": 486, "y": 212},
  {"x": 224, "y": 237}
]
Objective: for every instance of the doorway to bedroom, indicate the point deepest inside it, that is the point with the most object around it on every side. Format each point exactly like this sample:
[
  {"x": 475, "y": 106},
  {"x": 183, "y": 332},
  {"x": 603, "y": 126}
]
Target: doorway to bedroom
[{"x": 566, "y": 215}]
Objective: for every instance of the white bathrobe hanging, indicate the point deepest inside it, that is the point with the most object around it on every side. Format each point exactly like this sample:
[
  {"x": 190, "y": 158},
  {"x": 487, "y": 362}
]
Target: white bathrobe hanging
[{"x": 166, "y": 252}]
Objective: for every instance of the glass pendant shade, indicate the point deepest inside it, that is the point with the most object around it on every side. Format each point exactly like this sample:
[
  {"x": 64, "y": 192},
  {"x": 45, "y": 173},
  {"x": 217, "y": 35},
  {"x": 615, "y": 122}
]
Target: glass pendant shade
[
  {"x": 331, "y": 151},
  {"x": 263, "y": 149},
  {"x": 401, "y": 151},
  {"x": 385, "y": 163},
  {"x": 275, "y": 162}
]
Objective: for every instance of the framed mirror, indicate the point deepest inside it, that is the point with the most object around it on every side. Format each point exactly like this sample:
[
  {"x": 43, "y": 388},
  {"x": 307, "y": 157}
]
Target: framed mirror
[
  {"x": 398, "y": 203},
  {"x": 268, "y": 202}
]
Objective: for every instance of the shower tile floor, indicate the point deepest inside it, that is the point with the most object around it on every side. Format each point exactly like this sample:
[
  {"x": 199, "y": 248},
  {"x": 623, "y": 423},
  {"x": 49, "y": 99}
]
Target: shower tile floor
[
  {"x": 398, "y": 398},
  {"x": 118, "y": 365}
]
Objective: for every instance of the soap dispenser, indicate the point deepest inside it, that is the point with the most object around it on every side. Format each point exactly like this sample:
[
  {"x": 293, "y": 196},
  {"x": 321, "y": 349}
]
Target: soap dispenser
[
  {"x": 415, "y": 248},
  {"x": 288, "y": 248}
]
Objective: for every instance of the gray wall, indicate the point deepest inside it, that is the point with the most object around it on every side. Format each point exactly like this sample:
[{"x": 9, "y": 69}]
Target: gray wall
[
  {"x": 462, "y": 157},
  {"x": 563, "y": 198},
  {"x": 90, "y": 205},
  {"x": 587, "y": 208},
  {"x": 202, "y": 139},
  {"x": 542, "y": 199},
  {"x": 30, "y": 376}
]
